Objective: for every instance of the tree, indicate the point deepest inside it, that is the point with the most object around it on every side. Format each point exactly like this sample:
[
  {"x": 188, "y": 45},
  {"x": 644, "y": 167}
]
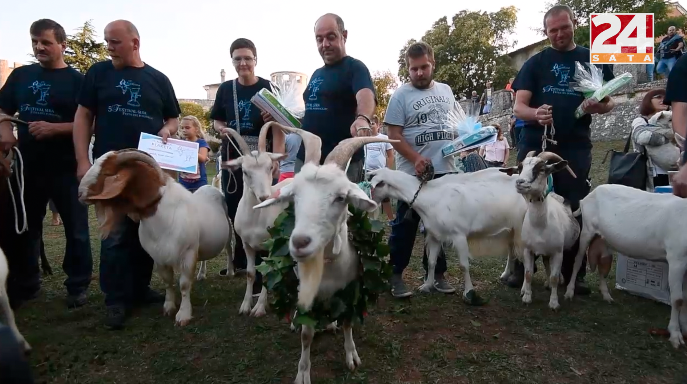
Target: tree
[
  {"x": 470, "y": 50},
  {"x": 83, "y": 50},
  {"x": 385, "y": 83},
  {"x": 582, "y": 9}
]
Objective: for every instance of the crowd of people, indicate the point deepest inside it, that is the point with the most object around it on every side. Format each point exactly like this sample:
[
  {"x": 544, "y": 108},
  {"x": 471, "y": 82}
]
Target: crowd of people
[{"x": 118, "y": 99}]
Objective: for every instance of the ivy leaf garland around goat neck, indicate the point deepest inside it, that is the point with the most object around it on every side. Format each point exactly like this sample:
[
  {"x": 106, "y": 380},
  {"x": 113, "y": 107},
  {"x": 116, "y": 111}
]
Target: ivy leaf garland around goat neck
[{"x": 350, "y": 303}]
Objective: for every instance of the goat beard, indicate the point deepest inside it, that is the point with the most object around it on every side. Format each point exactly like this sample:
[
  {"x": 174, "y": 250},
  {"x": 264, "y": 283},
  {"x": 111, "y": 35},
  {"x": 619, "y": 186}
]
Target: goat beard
[
  {"x": 310, "y": 273},
  {"x": 107, "y": 217}
]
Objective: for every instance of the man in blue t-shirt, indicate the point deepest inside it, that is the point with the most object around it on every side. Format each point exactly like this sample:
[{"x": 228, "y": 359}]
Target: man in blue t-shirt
[
  {"x": 44, "y": 95},
  {"x": 676, "y": 97},
  {"x": 125, "y": 97},
  {"x": 544, "y": 98},
  {"x": 340, "y": 97}
]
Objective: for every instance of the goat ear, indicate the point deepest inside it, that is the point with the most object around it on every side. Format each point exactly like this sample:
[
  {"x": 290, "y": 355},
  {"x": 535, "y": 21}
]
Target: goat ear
[
  {"x": 359, "y": 199},
  {"x": 556, "y": 167},
  {"x": 278, "y": 156},
  {"x": 280, "y": 196},
  {"x": 233, "y": 164},
  {"x": 114, "y": 185},
  {"x": 509, "y": 171}
]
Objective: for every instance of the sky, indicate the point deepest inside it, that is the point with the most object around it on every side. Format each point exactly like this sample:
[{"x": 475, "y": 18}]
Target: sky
[{"x": 189, "y": 40}]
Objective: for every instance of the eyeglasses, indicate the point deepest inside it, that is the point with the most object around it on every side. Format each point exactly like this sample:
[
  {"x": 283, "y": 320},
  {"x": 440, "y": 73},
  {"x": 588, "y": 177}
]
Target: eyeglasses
[{"x": 237, "y": 60}]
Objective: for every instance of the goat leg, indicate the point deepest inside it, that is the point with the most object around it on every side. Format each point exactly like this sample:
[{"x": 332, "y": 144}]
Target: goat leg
[
  {"x": 554, "y": 275},
  {"x": 307, "y": 334},
  {"x": 433, "y": 247},
  {"x": 167, "y": 275},
  {"x": 677, "y": 266},
  {"x": 188, "y": 267},
  {"x": 8, "y": 315},
  {"x": 585, "y": 239},
  {"x": 250, "y": 277},
  {"x": 526, "y": 291},
  {"x": 202, "y": 271},
  {"x": 352, "y": 358}
]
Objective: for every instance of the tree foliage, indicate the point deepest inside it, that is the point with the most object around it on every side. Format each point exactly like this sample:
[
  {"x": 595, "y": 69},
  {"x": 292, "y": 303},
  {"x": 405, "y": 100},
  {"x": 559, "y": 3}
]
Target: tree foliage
[
  {"x": 470, "y": 50},
  {"x": 83, "y": 49},
  {"x": 582, "y": 9},
  {"x": 385, "y": 83}
]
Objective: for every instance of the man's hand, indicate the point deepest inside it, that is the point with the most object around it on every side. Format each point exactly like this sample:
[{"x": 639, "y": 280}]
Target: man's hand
[
  {"x": 81, "y": 168},
  {"x": 592, "y": 107},
  {"x": 420, "y": 165},
  {"x": 42, "y": 130},
  {"x": 360, "y": 127},
  {"x": 544, "y": 115},
  {"x": 164, "y": 134},
  {"x": 7, "y": 139},
  {"x": 266, "y": 117},
  {"x": 679, "y": 182}
]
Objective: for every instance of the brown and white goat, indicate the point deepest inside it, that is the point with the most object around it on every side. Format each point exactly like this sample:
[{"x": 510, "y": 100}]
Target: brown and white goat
[{"x": 177, "y": 228}]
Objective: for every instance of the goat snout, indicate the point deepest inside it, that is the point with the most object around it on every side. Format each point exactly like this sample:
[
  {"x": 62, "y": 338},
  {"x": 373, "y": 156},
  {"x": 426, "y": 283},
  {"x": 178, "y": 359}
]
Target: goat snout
[
  {"x": 301, "y": 241},
  {"x": 262, "y": 198}
]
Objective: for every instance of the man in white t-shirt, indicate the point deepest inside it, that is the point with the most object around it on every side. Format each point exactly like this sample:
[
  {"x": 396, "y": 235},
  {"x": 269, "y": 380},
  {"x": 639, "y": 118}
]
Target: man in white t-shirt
[
  {"x": 379, "y": 155},
  {"x": 417, "y": 115}
]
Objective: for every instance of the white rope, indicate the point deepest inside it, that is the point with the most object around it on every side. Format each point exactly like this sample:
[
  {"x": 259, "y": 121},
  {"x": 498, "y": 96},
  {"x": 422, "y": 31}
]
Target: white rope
[{"x": 20, "y": 184}]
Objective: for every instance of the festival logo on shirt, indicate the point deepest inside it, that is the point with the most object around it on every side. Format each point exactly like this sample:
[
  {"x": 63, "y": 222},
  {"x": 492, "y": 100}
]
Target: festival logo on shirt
[
  {"x": 42, "y": 90},
  {"x": 313, "y": 89},
  {"x": 434, "y": 115},
  {"x": 562, "y": 87},
  {"x": 134, "y": 90}
]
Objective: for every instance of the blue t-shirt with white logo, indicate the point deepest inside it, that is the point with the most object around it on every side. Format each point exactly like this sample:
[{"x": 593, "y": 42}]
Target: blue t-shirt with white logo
[
  {"x": 125, "y": 103},
  {"x": 548, "y": 75}
]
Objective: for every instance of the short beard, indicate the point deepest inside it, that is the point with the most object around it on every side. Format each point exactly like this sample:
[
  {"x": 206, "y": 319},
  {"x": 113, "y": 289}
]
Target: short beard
[{"x": 425, "y": 86}]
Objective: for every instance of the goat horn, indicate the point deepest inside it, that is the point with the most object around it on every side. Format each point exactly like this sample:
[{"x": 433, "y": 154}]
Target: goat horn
[
  {"x": 312, "y": 144},
  {"x": 243, "y": 146},
  {"x": 552, "y": 156},
  {"x": 346, "y": 148},
  {"x": 531, "y": 153},
  {"x": 278, "y": 138},
  {"x": 134, "y": 154}
]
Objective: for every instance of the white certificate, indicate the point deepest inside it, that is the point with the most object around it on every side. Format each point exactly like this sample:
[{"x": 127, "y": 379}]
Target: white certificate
[{"x": 176, "y": 155}]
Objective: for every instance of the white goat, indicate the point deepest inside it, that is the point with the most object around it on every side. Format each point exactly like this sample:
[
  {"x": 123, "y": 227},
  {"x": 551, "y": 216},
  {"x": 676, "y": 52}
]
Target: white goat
[
  {"x": 549, "y": 227},
  {"x": 202, "y": 270},
  {"x": 327, "y": 260},
  {"x": 177, "y": 228},
  {"x": 7, "y": 312},
  {"x": 640, "y": 225},
  {"x": 480, "y": 213},
  {"x": 251, "y": 225}
]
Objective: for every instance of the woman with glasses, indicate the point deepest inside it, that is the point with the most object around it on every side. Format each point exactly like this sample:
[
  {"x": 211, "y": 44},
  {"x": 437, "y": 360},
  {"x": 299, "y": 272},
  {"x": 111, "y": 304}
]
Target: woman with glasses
[
  {"x": 233, "y": 109},
  {"x": 648, "y": 135}
]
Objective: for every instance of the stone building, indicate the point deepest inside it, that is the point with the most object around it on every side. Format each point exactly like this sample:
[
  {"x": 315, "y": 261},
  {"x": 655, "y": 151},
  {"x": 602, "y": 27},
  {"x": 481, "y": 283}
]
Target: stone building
[{"x": 5, "y": 70}]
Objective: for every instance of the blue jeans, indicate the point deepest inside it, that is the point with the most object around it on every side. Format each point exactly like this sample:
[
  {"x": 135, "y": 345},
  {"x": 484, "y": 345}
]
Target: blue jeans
[
  {"x": 650, "y": 72},
  {"x": 665, "y": 66},
  {"x": 125, "y": 267},
  {"x": 42, "y": 184},
  {"x": 402, "y": 239}
]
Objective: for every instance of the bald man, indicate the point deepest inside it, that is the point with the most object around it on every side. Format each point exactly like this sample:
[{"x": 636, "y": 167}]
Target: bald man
[
  {"x": 125, "y": 97},
  {"x": 340, "y": 98}
]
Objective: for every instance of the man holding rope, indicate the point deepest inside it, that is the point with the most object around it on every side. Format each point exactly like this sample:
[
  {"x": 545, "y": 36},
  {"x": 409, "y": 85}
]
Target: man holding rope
[{"x": 545, "y": 101}]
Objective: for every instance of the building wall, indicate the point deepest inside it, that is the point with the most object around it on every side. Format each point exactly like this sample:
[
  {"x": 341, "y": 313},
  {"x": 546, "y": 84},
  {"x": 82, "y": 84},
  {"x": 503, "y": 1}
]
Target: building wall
[
  {"x": 211, "y": 90},
  {"x": 293, "y": 84},
  {"x": 6, "y": 69}
]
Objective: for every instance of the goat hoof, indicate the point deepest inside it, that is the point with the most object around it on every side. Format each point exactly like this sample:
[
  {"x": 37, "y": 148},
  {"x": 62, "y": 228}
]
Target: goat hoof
[
  {"x": 169, "y": 308},
  {"x": 245, "y": 308},
  {"x": 353, "y": 360},
  {"x": 569, "y": 295},
  {"x": 676, "y": 339},
  {"x": 527, "y": 298},
  {"x": 200, "y": 277},
  {"x": 183, "y": 320},
  {"x": 609, "y": 300},
  {"x": 554, "y": 306},
  {"x": 303, "y": 377},
  {"x": 472, "y": 298},
  {"x": 258, "y": 311},
  {"x": 427, "y": 288}
]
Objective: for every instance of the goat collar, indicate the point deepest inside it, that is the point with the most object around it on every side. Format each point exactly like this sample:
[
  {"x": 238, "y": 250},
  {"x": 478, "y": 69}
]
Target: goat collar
[{"x": 549, "y": 189}]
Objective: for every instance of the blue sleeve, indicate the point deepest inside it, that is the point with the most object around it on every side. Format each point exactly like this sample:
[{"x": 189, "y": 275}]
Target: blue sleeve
[
  {"x": 88, "y": 96},
  {"x": 202, "y": 144},
  {"x": 361, "y": 78},
  {"x": 8, "y": 102},
  {"x": 170, "y": 107},
  {"x": 524, "y": 81},
  {"x": 218, "y": 112}
]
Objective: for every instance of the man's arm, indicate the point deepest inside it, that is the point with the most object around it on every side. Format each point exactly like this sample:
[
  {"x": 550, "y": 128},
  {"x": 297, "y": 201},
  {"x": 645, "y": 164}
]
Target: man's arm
[
  {"x": 366, "y": 102},
  {"x": 402, "y": 147},
  {"x": 680, "y": 118},
  {"x": 390, "y": 158},
  {"x": 364, "y": 89},
  {"x": 522, "y": 109},
  {"x": 8, "y": 104},
  {"x": 83, "y": 121}
]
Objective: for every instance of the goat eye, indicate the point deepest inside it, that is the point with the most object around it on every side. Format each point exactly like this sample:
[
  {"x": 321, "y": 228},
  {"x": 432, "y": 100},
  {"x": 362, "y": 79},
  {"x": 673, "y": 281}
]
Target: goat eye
[{"x": 339, "y": 199}]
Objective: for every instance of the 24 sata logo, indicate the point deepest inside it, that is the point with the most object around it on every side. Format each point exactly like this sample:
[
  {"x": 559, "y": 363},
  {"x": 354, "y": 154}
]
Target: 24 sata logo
[{"x": 622, "y": 38}]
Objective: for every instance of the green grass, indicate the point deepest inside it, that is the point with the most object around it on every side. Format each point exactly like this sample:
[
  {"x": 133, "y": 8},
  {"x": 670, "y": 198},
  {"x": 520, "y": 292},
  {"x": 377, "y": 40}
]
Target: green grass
[{"x": 431, "y": 338}]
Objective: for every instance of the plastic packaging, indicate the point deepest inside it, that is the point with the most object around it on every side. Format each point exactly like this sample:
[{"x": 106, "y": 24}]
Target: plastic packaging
[
  {"x": 284, "y": 102},
  {"x": 468, "y": 132},
  {"x": 589, "y": 80}
]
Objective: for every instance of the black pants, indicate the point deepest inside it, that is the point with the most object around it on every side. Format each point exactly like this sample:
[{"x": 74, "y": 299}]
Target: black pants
[
  {"x": 42, "y": 184},
  {"x": 494, "y": 164},
  {"x": 661, "y": 180},
  {"x": 402, "y": 239},
  {"x": 572, "y": 189},
  {"x": 125, "y": 267},
  {"x": 233, "y": 199}
]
